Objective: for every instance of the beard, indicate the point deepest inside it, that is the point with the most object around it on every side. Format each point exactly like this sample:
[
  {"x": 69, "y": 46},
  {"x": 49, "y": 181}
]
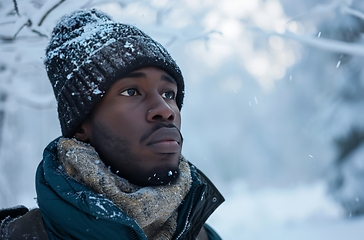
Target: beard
[
  {"x": 163, "y": 176},
  {"x": 116, "y": 153}
]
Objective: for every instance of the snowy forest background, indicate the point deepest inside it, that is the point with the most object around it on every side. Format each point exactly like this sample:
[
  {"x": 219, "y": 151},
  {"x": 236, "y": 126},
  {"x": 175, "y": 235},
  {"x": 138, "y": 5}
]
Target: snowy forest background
[{"x": 273, "y": 114}]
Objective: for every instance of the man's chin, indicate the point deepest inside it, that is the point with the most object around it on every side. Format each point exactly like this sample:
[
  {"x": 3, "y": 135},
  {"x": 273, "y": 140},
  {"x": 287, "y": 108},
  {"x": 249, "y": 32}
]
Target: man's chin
[
  {"x": 163, "y": 177},
  {"x": 163, "y": 173}
]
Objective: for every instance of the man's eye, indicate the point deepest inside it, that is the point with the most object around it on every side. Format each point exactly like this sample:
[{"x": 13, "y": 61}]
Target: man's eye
[
  {"x": 129, "y": 92},
  {"x": 169, "y": 95}
]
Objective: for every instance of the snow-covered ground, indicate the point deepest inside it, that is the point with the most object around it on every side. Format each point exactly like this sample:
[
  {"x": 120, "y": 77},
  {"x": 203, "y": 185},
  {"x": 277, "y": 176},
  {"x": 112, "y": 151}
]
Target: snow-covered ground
[{"x": 303, "y": 212}]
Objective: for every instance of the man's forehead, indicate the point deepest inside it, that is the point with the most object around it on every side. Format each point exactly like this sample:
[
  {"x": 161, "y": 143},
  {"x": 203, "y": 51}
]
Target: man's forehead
[{"x": 139, "y": 73}]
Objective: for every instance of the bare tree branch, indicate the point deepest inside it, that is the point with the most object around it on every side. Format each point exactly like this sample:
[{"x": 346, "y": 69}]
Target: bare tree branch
[
  {"x": 16, "y": 7},
  {"x": 49, "y": 11},
  {"x": 23, "y": 22},
  {"x": 321, "y": 43},
  {"x": 28, "y": 23},
  {"x": 4, "y": 23},
  {"x": 39, "y": 33}
]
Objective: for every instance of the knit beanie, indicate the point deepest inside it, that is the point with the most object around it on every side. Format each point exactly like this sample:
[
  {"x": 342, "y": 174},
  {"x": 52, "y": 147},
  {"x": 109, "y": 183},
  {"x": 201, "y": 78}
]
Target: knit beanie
[{"x": 88, "y": 52}]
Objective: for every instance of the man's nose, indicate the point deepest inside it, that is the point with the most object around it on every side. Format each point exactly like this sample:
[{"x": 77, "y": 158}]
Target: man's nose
[{"x": 160, "y": 110}]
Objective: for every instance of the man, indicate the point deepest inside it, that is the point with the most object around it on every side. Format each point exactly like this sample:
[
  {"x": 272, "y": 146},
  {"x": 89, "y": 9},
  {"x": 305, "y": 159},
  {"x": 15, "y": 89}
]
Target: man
[{"x": 117, "y": 171}]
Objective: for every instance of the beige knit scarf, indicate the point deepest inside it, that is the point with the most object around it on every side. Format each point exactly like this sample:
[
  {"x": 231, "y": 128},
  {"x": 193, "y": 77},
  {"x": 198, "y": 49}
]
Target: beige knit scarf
[{"x": 153, "y": 208}]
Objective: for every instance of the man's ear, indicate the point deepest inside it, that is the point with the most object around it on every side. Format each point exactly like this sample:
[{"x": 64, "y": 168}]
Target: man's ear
[{"x": 83, "y": 132}]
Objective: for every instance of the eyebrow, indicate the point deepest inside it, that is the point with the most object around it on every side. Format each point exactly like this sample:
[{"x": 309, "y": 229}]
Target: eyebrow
[
  {"x": 140, "y": 74},
  {"x": 168, "y": 79}
]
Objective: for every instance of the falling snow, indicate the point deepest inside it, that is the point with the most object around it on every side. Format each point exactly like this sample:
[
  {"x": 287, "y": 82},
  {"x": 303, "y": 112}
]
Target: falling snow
[{"x": 257, "y": 154}]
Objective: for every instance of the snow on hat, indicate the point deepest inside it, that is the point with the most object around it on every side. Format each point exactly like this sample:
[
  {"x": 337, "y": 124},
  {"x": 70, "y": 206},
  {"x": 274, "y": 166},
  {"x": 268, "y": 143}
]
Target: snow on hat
[{"x": 88, "y": 52}]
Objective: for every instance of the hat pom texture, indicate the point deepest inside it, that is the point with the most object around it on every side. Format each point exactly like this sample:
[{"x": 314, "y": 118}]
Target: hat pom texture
[{"x": 88, "y": 52}]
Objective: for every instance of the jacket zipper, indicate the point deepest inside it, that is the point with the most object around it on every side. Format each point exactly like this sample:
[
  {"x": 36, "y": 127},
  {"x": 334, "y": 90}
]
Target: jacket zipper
[
  {"x": 133, "y": 234},
  {"x": 187, "y": 224}
]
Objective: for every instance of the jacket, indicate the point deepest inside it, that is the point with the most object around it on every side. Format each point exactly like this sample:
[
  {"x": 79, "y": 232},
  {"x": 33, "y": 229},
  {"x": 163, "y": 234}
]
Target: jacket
[{"x": 69, "y": 210}]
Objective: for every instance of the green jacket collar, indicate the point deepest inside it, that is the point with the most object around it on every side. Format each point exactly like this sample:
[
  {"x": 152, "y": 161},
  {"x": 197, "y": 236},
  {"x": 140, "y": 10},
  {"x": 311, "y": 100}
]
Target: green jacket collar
[{"x": 72, "y": 211}]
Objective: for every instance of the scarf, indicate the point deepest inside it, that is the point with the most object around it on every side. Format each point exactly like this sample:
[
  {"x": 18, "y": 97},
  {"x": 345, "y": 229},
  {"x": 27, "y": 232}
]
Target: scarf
[{"x": 153, "y": 208}]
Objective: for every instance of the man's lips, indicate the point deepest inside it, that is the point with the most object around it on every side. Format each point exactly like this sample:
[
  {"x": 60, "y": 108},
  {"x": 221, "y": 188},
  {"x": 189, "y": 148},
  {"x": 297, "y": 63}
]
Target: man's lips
[{"x": 165, "y": 140}]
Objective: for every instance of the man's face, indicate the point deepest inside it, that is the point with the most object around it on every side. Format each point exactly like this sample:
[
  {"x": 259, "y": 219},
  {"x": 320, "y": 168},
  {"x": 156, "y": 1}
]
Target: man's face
[{"x": 135, "y": 128}]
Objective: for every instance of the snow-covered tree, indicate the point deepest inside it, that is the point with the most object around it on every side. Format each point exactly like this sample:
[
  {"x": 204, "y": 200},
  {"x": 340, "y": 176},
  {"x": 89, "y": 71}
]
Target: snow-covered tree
[{"x": 331, "y": 78}]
